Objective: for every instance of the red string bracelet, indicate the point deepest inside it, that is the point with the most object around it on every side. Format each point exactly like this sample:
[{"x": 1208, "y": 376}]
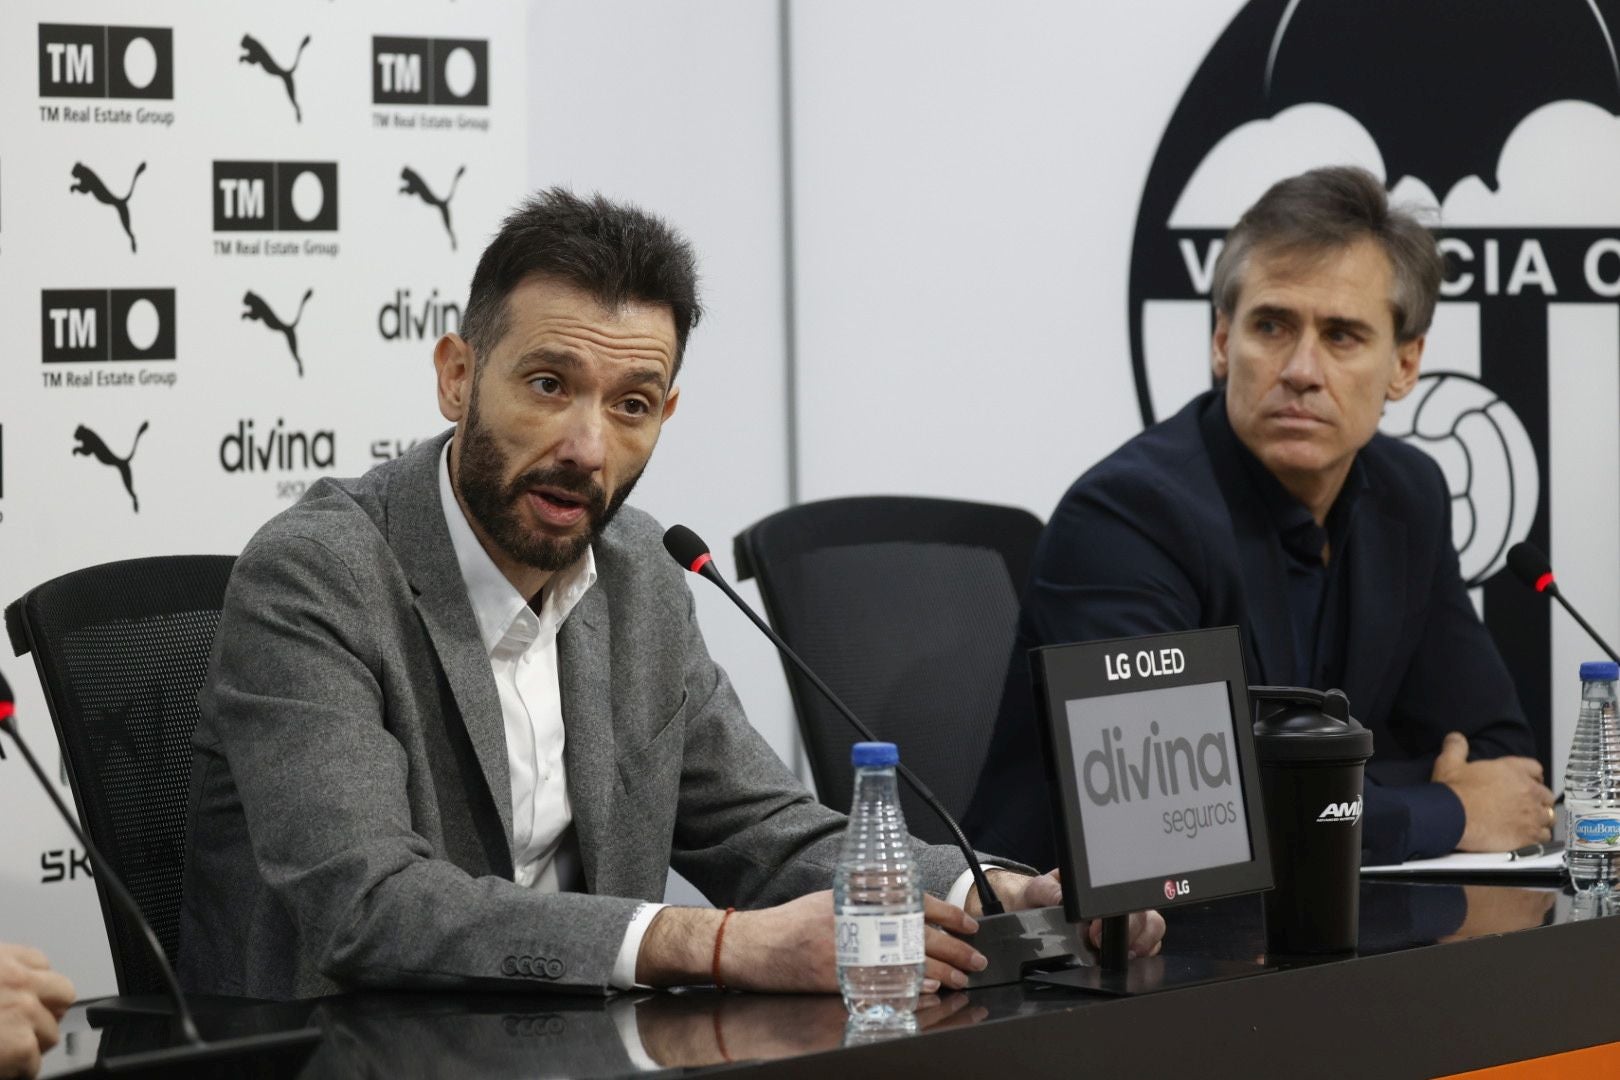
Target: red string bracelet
[{"x": 720, "y": 936}]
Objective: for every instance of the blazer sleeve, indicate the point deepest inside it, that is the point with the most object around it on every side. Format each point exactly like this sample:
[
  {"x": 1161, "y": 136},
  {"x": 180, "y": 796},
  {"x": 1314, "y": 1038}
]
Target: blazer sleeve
[{"x": 297, "y": 709}]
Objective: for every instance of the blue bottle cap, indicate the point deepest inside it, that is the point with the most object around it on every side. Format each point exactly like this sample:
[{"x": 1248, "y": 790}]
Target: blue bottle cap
[
  {"x": 874, "y": 754},
  {"x": 1600, "y": 671}
]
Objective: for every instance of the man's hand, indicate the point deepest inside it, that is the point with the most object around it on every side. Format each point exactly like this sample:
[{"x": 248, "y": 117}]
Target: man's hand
[
  {"x": 789, "y": 948},
  {"x": 1020, "y": 892},
  {"x": 32, "y": 999},
  {"x": 1505, "y": 804}
]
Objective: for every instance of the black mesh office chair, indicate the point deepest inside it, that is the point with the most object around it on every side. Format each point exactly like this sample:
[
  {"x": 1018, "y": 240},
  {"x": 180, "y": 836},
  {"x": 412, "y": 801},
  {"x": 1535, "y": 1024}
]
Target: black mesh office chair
[
  {"x": 122, "y": 650},
  {"x": 907, "y": 608}
]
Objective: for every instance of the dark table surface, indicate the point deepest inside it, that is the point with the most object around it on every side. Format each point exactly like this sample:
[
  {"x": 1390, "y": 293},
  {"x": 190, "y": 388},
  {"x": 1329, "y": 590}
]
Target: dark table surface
[{"x": 1449, "y": 977}]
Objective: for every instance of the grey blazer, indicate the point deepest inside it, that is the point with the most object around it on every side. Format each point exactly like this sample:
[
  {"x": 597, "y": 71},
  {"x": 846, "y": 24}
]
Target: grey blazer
[{"x": 350, "y": 805}]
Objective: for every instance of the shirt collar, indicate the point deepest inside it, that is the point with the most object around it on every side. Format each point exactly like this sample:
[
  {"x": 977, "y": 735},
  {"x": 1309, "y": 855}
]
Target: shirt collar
[
  {"x": 1301, "y": 537},
  {"x": 503, "y": 613}
]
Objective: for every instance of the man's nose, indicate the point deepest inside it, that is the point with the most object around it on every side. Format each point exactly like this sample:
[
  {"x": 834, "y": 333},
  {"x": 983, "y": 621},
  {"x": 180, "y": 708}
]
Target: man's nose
[
  {"x": 583, "y": 444},
  {"x": 1303, "y": 371}
]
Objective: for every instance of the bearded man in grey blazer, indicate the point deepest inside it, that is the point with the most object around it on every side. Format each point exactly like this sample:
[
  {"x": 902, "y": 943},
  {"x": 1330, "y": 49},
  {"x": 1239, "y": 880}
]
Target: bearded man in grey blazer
[{"x": 459, "y": 721}]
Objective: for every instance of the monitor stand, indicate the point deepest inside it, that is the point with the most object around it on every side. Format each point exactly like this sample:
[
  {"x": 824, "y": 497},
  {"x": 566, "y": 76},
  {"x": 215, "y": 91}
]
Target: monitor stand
[{"x": 1117, "y": 975}]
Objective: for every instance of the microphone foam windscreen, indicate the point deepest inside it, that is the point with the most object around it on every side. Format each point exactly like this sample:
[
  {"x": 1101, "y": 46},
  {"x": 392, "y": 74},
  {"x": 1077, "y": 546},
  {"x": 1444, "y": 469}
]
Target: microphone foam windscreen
[
  {"x": 686, "y": 546},
  {"x": 1528, "y": 563}
]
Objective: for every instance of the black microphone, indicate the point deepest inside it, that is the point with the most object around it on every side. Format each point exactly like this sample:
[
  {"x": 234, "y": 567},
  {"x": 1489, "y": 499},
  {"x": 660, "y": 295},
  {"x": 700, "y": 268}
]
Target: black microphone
[
  {"x": 1014, "y": 942},
  {"x": 690, "y": 551},
  {"x": 1531, "y": 566},
  {"x": 194, "y": 1048}
]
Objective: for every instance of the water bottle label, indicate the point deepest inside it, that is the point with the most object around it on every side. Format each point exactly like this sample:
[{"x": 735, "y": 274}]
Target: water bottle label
[
  {"x": 874, "y": 940},
  {"x": 1595, "y": 832}
]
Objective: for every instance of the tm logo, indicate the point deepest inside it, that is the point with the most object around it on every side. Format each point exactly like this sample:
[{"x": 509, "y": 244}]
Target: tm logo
[
  {"x": 1340, "y": 813},
  {"x": 429, "y": 71},
  {"x": 1174, "y": 890},
  {"x": 106, "y": 61}
]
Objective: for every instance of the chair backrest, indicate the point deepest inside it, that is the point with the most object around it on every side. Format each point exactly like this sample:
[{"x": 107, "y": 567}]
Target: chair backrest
[
  {"x": 907, "y": 608},
  {"x": 122, "y": 650}
]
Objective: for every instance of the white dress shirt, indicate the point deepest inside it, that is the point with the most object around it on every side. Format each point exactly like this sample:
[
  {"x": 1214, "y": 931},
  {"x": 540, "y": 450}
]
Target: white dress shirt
[{"x": 522, "y": 647}]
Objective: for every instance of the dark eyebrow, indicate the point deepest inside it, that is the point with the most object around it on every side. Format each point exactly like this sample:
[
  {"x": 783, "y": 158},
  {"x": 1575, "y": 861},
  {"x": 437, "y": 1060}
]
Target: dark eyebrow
[
  {"x": 1342, "y": 322},
  {"x": 568, "y": 363},
  {"x": 1272, "y": 311}
]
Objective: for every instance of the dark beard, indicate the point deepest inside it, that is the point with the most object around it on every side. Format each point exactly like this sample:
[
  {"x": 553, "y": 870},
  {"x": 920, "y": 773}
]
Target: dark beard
[{"x": 495, "y": 507}]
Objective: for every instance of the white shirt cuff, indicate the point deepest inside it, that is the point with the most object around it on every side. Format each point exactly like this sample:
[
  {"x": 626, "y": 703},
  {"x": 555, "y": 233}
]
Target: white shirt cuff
[
  {"x": 960, "y": 889},
  {"x": 624, "y": 966}
]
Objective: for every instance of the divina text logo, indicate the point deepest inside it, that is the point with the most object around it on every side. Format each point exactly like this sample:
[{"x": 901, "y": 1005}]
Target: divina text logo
[
  {"x": 89, "y": 444},
  {"x": 254, "y": 308},
  {"x": 86, "y": 182},
  {"x": 106, "y": 61},
  {"x": 276, "y": 448},
  {"x": 401, "y": 319},
  {"x": 257, "y": 55},
  {"x": 411, "y": 183}
]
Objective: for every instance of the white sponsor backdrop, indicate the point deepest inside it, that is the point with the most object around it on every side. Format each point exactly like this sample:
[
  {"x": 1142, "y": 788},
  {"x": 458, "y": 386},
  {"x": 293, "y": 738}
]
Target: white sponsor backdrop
[
  {"x": 369, "y": 392},
  {"x": 965, "y": 184}
]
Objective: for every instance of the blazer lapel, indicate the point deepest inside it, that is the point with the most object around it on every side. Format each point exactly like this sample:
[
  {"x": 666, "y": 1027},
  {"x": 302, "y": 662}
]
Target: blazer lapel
[
  {"x": 421, "y": 541},
  {"x": 1377, "y": 604},
  {"x": 584, "y": 673}
]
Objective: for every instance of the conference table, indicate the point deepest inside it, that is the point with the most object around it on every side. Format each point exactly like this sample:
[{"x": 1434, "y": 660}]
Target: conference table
[{"x": 1449, "y": 977}]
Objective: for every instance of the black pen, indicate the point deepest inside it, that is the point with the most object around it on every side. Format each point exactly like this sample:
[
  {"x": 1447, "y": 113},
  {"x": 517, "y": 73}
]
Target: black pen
[{"x": 1535, "y": 851}]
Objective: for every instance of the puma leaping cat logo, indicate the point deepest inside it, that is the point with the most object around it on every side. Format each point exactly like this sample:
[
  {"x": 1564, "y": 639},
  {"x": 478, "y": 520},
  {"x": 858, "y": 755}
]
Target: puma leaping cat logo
[
  {"x": 90, "y": 445},
  {"x": 259, "y": 310},
  {"x": 415, "y": 185},
  {"x": 85, "y": 180},
  {"x": 254, "y": 53}
]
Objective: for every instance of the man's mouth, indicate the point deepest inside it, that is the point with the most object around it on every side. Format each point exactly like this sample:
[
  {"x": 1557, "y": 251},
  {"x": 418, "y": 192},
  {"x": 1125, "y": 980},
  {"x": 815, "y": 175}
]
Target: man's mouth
[{"x": 558, "y": 507}]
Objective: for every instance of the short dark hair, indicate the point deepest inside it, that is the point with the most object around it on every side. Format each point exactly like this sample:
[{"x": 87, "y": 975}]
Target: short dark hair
[
  {"x": 1328, "y": 209},
  {"x": 614, "y": 251}
]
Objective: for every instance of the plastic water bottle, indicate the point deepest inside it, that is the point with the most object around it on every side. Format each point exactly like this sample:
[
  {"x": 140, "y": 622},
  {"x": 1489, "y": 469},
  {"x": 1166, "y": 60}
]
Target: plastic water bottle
[
  {"x": 877, "y": 899},
  {"x": 1592, "y": 784}
]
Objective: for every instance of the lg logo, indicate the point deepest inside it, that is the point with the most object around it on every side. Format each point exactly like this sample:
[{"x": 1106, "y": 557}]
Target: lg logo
[
  {"x": 80, "y": 325},
  {"x": 429, "y": 71},
  {"x": 1174, "y": 889},
  {"x": 106, "y": 61},
  {"x": 281, "y": 196}
]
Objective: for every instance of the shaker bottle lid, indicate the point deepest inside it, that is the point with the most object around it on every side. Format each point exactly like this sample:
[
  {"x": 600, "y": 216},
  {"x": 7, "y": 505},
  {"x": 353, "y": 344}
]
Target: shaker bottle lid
[
  {"x": 1600, "y": 671},
  {"x": 874, "y": 754},
  {"x": 1298, "y": 724}
]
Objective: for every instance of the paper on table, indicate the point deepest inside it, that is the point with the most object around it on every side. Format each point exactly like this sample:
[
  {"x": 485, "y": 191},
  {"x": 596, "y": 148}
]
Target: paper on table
[{"x": 1466, "y": 862}]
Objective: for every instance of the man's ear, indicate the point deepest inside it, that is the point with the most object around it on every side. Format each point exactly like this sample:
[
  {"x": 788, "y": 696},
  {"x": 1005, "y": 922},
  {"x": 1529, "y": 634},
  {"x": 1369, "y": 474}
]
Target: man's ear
[
  {"x": 1408, "y": 365},
  {"x": 454, "y": 364},
  {"x": 670, "y": 402},
  {"x": 1218, "y": 365}
]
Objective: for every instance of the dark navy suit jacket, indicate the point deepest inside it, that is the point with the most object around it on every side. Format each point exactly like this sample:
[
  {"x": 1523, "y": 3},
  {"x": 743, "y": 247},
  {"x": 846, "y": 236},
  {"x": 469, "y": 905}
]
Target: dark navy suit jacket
[{"x": 1168, "y": 533}]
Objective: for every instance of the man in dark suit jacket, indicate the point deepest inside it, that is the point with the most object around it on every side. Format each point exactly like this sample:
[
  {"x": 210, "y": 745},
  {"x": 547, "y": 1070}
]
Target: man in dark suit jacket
[
  {"x": 1272, "y": 503},
  {"x": 460, "y": 721}
]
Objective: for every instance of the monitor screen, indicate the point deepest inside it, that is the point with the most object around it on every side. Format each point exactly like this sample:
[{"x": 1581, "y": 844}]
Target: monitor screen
[
  {"x": 1150, "y": 751},
  {"x": 1158, "y": 772}
]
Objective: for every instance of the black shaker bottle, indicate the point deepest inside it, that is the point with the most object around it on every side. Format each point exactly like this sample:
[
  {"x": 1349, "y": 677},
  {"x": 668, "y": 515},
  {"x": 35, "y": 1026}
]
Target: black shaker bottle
[{"x": 1312, "y": 756}]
